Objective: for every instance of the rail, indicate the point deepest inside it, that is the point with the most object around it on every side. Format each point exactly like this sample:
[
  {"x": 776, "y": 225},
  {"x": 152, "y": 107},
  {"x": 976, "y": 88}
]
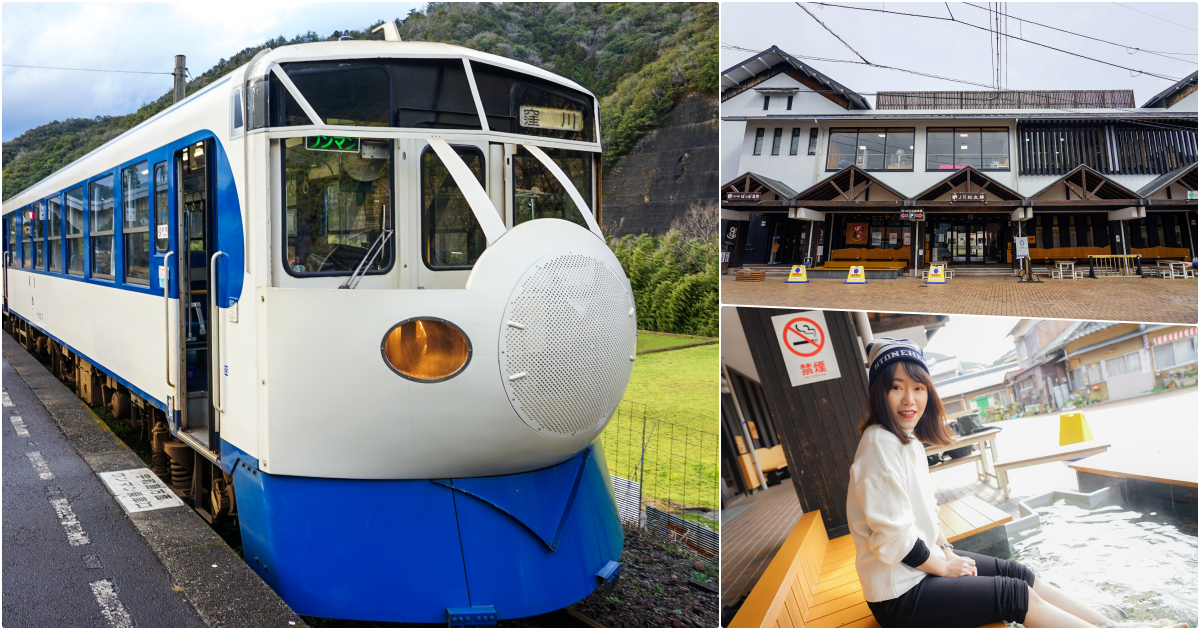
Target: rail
[
  {"x": 214, "y": 313},
  {"x": 167, "y": 311},
  {"x": 1115, "y": 266}
]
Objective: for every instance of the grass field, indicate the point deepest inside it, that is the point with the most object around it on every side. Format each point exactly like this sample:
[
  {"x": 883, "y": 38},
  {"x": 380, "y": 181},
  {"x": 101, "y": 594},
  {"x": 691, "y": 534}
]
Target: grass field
[
  {"x": 679, "y": 390},
  {"x": 654, "y": 341}
]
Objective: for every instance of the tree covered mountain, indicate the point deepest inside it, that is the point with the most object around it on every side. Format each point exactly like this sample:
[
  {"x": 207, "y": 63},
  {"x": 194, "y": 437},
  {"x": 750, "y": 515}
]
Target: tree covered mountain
[{"x": 639, "y": 58}]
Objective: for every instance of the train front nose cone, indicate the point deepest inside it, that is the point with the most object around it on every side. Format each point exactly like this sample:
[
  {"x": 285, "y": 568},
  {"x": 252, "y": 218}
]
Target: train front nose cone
[{"x": 428, "y": 349}]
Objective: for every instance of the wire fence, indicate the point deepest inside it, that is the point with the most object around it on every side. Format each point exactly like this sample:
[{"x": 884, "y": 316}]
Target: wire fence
[{"x": 665, "y": 477}]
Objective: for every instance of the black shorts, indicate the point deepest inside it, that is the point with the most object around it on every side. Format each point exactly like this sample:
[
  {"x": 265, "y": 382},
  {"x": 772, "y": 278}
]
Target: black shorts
[{"x": 999, "y": 593}]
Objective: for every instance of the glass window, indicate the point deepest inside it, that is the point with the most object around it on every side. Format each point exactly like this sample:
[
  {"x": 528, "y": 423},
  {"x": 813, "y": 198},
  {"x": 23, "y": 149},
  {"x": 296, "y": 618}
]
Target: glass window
[
  {"x": 871, "y": 146},
  {"x": 54, "y": 233},
  {"x": 135, "y": 204},
  {"x": 766, "y": 102},
  {"x": 76, "y": 220},
  {"x": 537, "y": 193},
  {"x": 1133, "y": 363},
  {"x": 37, "y": 217},
  {"x": 1114, "y": 366},
  {"x": 1054, "y": 232},
  {"x": 789, "y": 105},
  {"x": 237, "y": 108},
  {"x": 101, "y": 203},
  {"x": 812, "y": 141},
  {"x": 939, "y": 150},
  {"x": 900, "y": 149},
  {"x": 514, "y": 103},
  {"x": 453, "y": 238},
  {"x": 11, "y": 228},
  {"x": 758, "y": 140},
  {"x": 162, "y": 209},
  {"x": 994, "y": 143},
  {"x": 1185, "y": 351},
  {"x": 795, "y": 141},
  {"x": 842, "y": 149},
  {"x": 26, "y": 243},
  {"x": 1076, "y": 377},
  {"x": 967, "y": 148},
  {"x": 776, "y": 141},
  {"x": 1164, "y": 356},
  {"x": 1093, "y": 373},
  {"x": 337, "y": 207},
  {"x": 358, "y": 95}
]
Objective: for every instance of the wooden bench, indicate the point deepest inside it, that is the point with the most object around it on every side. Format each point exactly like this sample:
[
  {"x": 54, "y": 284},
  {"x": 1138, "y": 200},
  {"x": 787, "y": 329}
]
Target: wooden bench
[
  {"x": 864, "y": 254},
  {"x": 970, "y": 516},
  {"x": 1047, "y": 254},
  {"x": 1062, "y": 453},
  {"x": 771, "y": 458},
  {"x": 811, "y": 582},
  {"x": 841, "y": 265},
  {"x": 975, "y": 456}
]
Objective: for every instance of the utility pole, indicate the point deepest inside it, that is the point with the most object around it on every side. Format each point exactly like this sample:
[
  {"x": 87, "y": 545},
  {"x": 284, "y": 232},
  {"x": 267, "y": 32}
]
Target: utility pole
[{"x": 180, "y": 83}]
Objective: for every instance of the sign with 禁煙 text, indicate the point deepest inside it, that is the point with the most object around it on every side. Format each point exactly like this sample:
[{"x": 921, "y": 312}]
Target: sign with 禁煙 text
[
  {"x": 331, "y": 143},
  {"x": 798, "y": 274},
  {"x": 551, "y": 118},
  {"x": 856, "y": 276},
  {"x": 962, "y": 196},
  {"x": 1022, "y": 246},
  {"x": 743, "y": 196},
  {"x": 807, "y": 351},
  {"x": 140, "y": 490}
]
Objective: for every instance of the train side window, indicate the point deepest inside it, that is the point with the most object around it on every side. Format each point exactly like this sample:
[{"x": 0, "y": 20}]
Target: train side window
[
  {"x": 101, "y": 204},
  {"x": 76, "y": 220},
  {"x": 162, "y": 211},
  {"x": 54, "y": 233},
  {"x": 135, "y": 204},
  {"x": 537, "y": 193},
  {"x": 37, "y": 220},
  {"x": 235, "y": 104},
  {"x": 358, "y": 96},
  {"x": 337, "y": 197},
  {"x": 453, "y": 237},
  {"x": 11, "y": 228},
  {"x": 23, "y": 229},
  {"x": 519, "y": 103}
]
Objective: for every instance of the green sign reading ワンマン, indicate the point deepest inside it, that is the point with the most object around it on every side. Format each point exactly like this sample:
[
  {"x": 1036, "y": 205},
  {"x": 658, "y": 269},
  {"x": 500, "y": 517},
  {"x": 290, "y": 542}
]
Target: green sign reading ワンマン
[{"x": 331, "y": 143}]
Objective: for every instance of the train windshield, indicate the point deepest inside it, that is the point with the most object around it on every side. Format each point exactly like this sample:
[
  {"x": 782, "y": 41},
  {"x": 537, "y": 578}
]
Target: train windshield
[
  {"x": 338, "y": 192},
  {"x": 424, "y": 94},
  {"x": 537, "y": 193}
]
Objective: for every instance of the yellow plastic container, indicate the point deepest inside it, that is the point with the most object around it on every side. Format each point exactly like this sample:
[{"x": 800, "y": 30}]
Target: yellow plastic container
[{"x": 1073, "y": 429}]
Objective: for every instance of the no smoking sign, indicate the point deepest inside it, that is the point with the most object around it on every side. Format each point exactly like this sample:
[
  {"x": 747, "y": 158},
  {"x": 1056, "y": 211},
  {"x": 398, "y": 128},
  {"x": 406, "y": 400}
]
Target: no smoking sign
[{"x": 804, "y": 340}]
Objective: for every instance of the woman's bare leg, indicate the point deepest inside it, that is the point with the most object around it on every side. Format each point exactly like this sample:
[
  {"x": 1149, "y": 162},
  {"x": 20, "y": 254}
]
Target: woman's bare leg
[
  {"x": 1043, "y": 614},
  {"x": 1066, "y": 603}
]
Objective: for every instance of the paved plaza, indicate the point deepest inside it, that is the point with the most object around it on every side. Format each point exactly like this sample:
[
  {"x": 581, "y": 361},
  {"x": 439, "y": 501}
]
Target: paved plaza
[{"x": 1110, "y": 299}]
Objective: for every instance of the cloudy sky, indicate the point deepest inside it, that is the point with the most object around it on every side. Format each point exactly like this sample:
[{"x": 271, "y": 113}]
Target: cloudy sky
[
  {"x": 961, "y": 52},
  {"x": 143, "y": 37},
  {"x": 973, "y": 338}
]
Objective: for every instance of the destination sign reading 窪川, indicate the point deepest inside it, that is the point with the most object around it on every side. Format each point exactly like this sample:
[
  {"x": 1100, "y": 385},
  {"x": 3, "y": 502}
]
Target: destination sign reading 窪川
[
  {"x": 967, "y": 197},
  {"x": 551, "y": 118},
  {"x": 331, "y": 143},
  {"x": 743, "y": 196}
]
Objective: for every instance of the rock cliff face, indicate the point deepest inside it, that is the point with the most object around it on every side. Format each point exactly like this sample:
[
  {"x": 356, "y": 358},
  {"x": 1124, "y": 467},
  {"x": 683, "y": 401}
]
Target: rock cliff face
[{"x": 666, "y": 171}]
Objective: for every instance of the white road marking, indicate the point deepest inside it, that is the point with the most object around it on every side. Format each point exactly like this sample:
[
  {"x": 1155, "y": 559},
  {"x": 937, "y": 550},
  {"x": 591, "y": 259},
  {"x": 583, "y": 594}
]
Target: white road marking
[
  {"x": 19, "y": 424},
  {"x": 111, "y": 607},
  {"x": 39, "y": 464},
  {"x": 66, "y": 516},
  {"x": 7, "y": 401}
]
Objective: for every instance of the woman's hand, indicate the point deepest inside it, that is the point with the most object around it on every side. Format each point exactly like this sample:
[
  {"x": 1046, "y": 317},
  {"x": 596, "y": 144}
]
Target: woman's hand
[{"x": 959, "y": 566}]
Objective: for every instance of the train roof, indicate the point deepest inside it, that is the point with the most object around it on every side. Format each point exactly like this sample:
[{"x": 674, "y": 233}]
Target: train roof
[{"x": 260, "y": 65}]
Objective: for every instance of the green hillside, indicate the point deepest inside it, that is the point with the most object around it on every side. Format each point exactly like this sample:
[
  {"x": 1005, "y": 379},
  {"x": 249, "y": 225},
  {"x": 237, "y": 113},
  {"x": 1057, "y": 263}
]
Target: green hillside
[{"x": 638, "y": 58}]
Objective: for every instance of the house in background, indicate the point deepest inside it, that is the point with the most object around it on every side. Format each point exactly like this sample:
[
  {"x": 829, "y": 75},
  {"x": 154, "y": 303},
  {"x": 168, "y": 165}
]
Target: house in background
[
  {"x": 981, "y": 390},
  {"x": 814, "y": 174}
]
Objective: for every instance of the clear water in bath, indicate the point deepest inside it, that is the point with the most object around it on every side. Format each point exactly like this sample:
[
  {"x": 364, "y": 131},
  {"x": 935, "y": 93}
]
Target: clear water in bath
[{"x": 1127, "y": 563}]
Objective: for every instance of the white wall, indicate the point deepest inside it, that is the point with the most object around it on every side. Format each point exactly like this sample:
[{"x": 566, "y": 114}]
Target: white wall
[{"x": 1186, "y": 105}]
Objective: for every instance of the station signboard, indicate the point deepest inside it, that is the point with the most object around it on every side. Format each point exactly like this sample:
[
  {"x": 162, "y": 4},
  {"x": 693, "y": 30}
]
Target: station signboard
[
  {"x": 964, "y": 196},
  {"x": 743, "y": 196}
]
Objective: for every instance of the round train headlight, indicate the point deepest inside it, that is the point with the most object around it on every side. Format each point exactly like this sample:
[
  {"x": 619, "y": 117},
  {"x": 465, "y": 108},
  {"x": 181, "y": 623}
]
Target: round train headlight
[{"x": 426, "y": 349}]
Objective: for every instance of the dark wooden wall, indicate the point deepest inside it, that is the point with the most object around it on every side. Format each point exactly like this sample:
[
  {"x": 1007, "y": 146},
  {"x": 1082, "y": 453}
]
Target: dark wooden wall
[{"x": 817, "y": 423}]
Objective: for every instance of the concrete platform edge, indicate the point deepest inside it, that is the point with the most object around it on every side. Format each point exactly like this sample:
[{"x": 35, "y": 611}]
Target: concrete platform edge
[{"x": 218, "y": 584}]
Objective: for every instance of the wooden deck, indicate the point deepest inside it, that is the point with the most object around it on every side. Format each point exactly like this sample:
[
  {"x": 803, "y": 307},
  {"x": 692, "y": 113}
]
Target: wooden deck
[
  {"x": 968, "y": 516},
  {"x": 1176, "y": 471}
]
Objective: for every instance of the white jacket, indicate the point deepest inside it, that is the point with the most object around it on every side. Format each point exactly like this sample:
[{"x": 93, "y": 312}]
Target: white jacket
[{"x": 890, "y": 505}]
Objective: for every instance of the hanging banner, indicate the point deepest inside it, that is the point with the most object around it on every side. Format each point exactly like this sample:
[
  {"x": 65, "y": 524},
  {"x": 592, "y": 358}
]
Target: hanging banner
[
  {"x": 937, "y": 274},
  {"x": 856, "y": 233},
  {"x": 799, "y": 274},
  {"x": 856, "y": 276}
]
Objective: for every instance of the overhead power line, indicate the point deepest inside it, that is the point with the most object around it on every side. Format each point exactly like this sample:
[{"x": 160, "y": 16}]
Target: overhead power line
[
  {"x": 1095, "y": 39},
  {"x": 1028, "y": 41},
  {"x": 13, "y": 65},
  {"x": 834, "y": 34},
  {"x": 1153, "y": 16},
  {"x": 965, "y": 82}
]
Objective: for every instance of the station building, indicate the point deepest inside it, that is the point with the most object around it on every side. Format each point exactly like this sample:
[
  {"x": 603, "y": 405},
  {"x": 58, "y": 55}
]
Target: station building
[{"x": 814, "y": 174}]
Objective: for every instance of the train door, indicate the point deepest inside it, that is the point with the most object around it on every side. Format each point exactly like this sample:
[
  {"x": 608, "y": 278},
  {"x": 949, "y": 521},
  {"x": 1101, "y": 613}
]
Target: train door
[
  {"x": 450, "y": 237},
  {"x": 195, "y": 234}
]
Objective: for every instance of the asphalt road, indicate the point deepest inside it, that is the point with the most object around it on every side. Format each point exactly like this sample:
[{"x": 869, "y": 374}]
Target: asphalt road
[{"x": 72, "y": 558}]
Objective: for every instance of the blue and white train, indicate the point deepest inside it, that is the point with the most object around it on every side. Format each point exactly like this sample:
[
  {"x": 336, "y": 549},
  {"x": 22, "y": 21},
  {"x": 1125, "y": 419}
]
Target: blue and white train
[{"x": 355, "y": 293}]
